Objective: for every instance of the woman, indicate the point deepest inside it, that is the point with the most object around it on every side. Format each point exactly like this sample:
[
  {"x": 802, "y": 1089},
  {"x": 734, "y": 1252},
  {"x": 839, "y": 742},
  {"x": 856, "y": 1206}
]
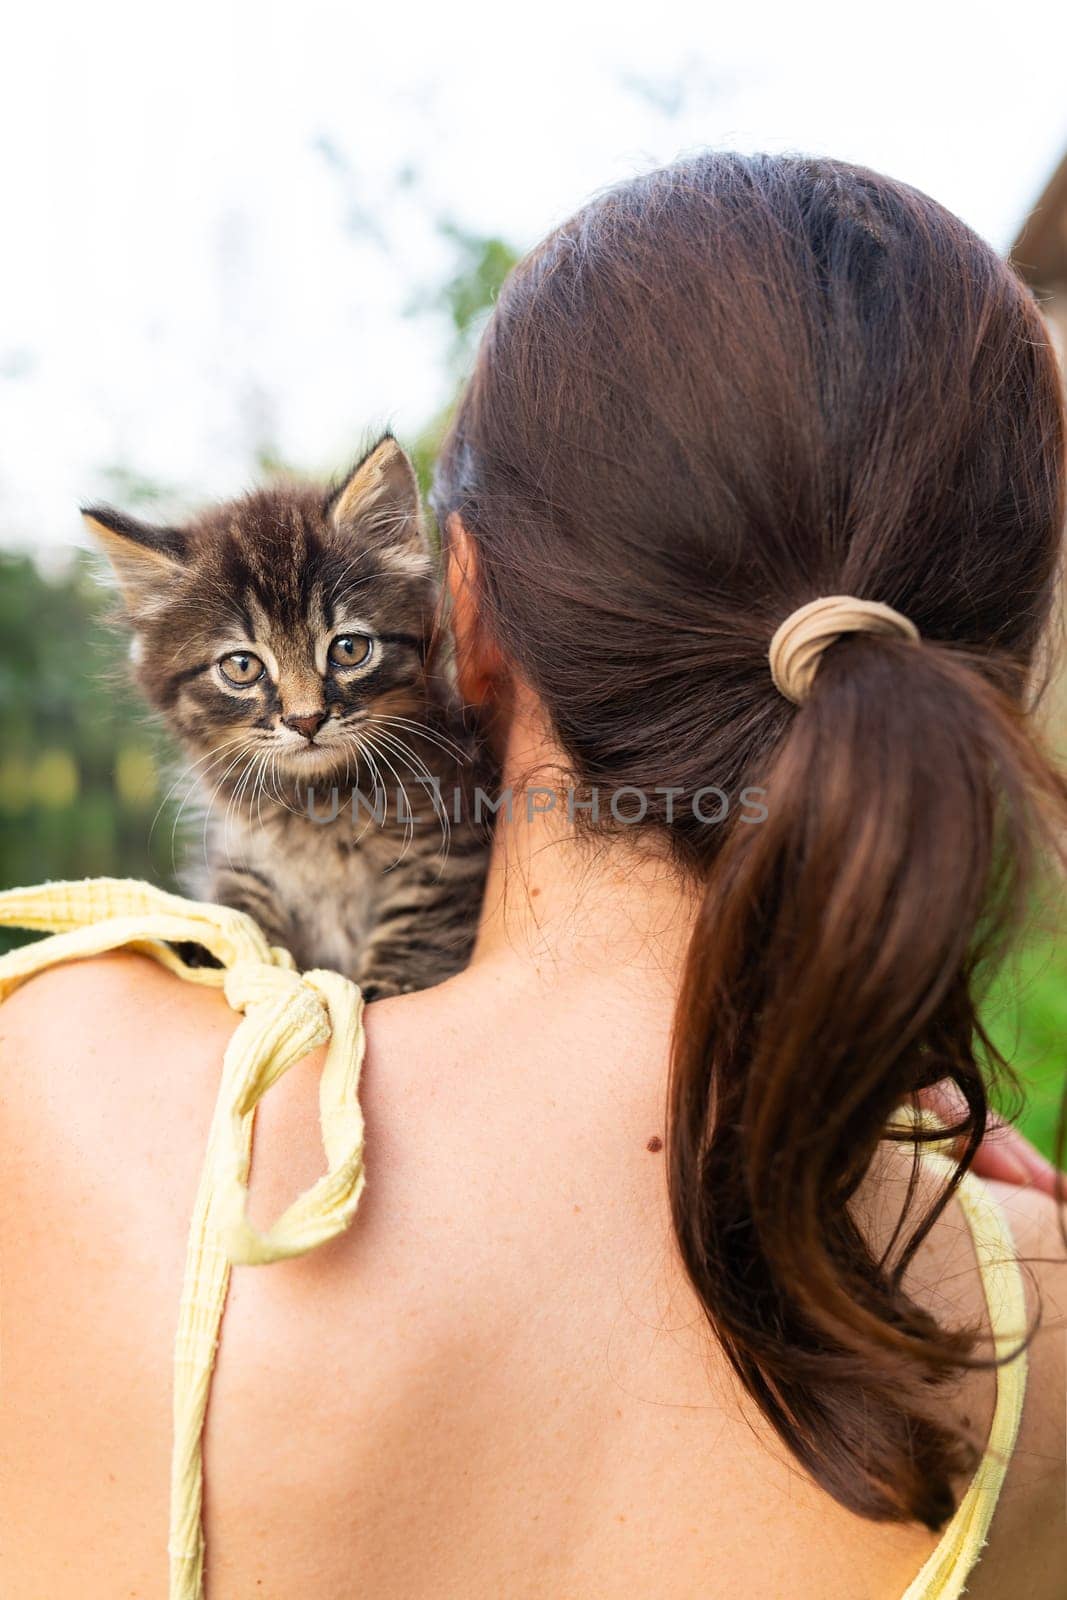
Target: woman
[{"x": 643, "y": 1298}]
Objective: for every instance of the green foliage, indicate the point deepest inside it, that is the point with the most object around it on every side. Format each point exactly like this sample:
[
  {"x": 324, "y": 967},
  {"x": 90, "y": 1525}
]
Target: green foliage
[
  {"x": 469, "y": 294},
  {"x": 466, "y": 298},
  {"x": 81, "y": 768},
  {"x": 1026, "y": 1014}
]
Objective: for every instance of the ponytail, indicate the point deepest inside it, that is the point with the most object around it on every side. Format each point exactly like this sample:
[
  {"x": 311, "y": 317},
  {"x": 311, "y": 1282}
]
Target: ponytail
[{"x": 832, "y": 975}]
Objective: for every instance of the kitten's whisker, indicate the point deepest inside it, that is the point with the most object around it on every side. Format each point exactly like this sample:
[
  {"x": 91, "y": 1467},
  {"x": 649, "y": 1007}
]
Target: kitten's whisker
[
  {"x": 409, "y": 823},
  {"x": 375, "y": 779},
  {"x": 379, "y": 755},
  {"x": 246, "y": 757},
  {"x": 348, "y": 744},
  {"x": 237, "y": 799},
  {"x": 187, "y": 773},
  {"x": 265, "y": 790},
  {"x": 379, "y": 793},
  {"x": 257, "y": 792},
  {"x": 196, "y": 780},
  {"x": 276, "y": 790},
  {"x": 253, "y": 765},
  {"x": 209, "y": 812},
  {"x": 272, "y": 779},
  {"x": 436, "y": 799},
  {"x": 413, "y": 760},
  {"x": 283, "y": 801},
  {"x": 419, "y": 770},
  {"x": 272, "y": 784},
  {"x": 433, "y": 735}
]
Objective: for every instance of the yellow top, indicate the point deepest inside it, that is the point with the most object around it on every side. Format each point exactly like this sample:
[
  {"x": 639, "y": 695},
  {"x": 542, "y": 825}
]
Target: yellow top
[{"x": 285, "y": 1015}]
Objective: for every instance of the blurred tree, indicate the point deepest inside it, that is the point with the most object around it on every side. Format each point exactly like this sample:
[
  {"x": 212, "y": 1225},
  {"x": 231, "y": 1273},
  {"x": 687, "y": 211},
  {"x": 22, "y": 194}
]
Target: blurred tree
[
  {"x": 470, "y": 293},
  {"x": 81, "y": 767}
]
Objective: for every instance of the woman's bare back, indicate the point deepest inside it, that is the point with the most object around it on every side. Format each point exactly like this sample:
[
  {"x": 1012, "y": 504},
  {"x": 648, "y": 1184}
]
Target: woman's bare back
[{"x": 496, "y": 1383}]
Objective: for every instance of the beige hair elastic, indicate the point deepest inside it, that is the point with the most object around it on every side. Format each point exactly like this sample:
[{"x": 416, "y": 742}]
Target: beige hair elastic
[{"x": 799, "y": 642}]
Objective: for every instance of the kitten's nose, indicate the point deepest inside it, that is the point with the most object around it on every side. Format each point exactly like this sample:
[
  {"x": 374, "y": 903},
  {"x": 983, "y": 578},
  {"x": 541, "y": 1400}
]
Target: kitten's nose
[{"x": 307, "y": 722}]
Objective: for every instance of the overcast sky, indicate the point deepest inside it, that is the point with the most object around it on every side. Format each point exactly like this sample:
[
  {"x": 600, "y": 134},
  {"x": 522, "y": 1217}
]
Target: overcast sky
[{"x": 219, "y": 215}]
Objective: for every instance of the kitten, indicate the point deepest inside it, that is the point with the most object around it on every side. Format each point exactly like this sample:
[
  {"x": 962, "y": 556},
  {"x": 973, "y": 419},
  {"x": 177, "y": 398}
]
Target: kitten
[{"x": 287, "y": 638}]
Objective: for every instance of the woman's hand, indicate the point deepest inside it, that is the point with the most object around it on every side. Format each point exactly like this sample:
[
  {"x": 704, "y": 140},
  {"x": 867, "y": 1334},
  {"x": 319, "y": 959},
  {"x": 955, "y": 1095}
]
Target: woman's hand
[{"x": 1004, "y": 1155}]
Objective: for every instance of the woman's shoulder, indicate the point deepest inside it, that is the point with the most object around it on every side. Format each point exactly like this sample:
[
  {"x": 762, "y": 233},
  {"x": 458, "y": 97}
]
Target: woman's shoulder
[
  {"x": 105, "y": 1104},
  {"x": 116, "y": 1055},
  {"x": 115, "y": 995}
]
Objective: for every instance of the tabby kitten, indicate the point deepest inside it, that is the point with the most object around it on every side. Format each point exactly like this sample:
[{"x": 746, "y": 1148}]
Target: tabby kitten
[{"x": 286, "y": 639}]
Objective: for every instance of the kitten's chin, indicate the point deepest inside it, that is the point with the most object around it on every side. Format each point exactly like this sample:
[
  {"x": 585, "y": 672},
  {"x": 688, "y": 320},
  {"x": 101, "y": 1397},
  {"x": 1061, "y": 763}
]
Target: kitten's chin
[{"x": 313, "y": 763}]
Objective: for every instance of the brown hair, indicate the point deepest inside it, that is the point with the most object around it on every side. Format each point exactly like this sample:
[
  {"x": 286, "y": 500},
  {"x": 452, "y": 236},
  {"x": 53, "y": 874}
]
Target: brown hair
[{"x": 718, "y": 392}]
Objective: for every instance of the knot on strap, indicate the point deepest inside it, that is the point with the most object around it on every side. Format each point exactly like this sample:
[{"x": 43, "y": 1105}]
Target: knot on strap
[
  {"x": 250, "y": 982},
  {"x": 288, "y": 1014}
]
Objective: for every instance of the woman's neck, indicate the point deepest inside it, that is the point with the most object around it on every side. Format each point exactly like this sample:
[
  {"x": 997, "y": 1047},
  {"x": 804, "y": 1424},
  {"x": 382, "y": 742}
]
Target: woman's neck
[{"x": 567, "y": 903}]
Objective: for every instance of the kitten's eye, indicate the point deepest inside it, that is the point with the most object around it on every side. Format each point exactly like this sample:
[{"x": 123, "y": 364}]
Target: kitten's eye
[
  {"x": 242, "y": 668},
  {"x": 349, "y": 650}
]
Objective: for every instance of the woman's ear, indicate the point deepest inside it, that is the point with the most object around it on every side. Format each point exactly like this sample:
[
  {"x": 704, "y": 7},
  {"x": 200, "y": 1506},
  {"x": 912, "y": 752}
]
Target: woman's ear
[{"x": 479, "y": 664}]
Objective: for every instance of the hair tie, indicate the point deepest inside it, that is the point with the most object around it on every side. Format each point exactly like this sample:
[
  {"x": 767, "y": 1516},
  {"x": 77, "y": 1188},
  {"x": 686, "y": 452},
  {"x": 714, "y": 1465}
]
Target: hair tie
[{"x": 799, "y": 642}]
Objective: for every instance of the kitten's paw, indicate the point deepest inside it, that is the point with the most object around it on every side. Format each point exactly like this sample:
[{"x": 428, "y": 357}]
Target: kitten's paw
[{"x": 384, "y": 989}]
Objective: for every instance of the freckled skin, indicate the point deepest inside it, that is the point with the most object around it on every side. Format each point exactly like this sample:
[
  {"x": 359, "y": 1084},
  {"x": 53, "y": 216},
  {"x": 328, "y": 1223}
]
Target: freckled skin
[{"x": 288, "y": 639}]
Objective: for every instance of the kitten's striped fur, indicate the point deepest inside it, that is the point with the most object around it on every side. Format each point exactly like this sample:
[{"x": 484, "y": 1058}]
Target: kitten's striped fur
[{"x": 296, "y": 581}]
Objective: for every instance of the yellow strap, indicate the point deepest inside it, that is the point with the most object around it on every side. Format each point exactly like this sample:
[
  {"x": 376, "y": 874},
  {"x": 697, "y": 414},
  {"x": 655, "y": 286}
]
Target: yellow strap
[
  {"x": 285, "y": 1015},
  {"x": 945, "y": 1572}
]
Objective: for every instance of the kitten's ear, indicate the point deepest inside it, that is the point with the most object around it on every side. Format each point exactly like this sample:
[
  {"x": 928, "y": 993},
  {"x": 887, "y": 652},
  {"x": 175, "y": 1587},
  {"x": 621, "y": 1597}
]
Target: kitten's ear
[
  {"x": 379, "y": 501},
  {"x": 145, "y": 559}
]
